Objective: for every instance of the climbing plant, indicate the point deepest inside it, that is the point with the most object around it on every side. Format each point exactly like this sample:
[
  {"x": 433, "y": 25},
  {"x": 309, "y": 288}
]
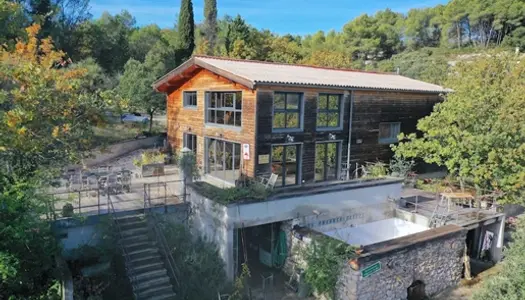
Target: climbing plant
[{"x": 324, "y": 259}]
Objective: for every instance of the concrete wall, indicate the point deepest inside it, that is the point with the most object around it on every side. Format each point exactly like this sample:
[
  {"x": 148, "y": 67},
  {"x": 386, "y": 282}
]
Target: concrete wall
[
  {"x": 368, "y": 203},
  {"x": 216, "y": 222},
  {"x": 210, "y": 221}
]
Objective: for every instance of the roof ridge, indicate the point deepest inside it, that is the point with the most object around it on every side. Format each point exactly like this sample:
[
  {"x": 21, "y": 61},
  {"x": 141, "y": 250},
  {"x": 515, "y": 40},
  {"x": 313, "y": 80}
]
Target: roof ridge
[{"x": 296, "y": 65}]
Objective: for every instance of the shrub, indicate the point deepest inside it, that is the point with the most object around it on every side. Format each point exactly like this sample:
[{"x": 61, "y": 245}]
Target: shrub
[{"x": 68, "y": 210}]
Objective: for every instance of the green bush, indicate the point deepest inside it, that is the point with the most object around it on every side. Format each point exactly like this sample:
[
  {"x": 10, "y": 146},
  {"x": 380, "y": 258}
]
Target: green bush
[
  {"x": 200, "y": 268},
  {"x": 254, "y": 191},
  {"x": 68, "y": 210}
]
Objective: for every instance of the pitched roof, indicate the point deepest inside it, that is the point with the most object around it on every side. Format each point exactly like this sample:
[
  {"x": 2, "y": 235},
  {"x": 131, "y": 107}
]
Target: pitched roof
[{"x": 256, "y": 73}]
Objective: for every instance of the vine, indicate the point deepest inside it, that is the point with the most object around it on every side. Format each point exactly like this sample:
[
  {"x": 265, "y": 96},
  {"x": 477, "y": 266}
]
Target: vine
[{"x": 324, "y": 259}]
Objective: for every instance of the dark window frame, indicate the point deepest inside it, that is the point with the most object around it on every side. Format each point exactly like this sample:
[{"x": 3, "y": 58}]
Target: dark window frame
[
  {"x": 327, "y": 110},
  {"x": 186, "y": 99},
  {"x": 298, "y": 162},
  {"x": 390, "y": 139},
  {"x": 207, "y": 168},
  {"x": 286, "y": 111},
  {"x": 215, "y": 105},
  {"x": 189, "y": 140},
  {"x": 338, "y": 145}
]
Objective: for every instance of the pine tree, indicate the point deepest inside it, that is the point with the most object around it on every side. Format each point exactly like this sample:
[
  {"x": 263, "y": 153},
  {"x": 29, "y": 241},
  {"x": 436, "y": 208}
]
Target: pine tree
[
  {"x": 210, "y": 24},
  {"x": 186, "y": 28}
]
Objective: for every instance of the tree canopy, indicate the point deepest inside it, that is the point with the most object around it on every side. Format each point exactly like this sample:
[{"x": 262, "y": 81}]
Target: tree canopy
[{"x": 478, "y": 132}]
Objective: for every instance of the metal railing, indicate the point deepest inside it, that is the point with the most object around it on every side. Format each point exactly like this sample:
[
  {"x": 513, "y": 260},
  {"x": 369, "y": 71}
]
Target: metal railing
[
  {"x": 160, "y": 238},
  {"x": 127, "y": 261}
]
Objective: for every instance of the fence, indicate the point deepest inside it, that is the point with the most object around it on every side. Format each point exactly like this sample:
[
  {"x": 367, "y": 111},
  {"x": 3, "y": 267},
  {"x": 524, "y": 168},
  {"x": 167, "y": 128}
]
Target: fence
[{"x": 96, "y": 201}]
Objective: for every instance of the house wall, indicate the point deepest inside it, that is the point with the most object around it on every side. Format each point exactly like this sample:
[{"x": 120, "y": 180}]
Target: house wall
[
  {"x": 192, "y": 120},
  {"x": 370, "y": 108},
  {"x": 437, "y": 262},
  {"x": 374, "y": 107}
]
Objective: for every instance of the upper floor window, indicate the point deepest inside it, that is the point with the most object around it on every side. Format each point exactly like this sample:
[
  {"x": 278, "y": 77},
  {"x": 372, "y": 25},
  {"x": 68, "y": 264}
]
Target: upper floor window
[
  {"x": 388, "y": 132},
  {"x": 190, "y": 99},
  {"x": 224, "y": 108},
  {"x": 329, "y": 111},
  {"x": 287, "y": 110}
]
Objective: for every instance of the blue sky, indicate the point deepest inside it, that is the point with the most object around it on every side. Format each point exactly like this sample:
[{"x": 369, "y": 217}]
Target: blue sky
[{"x": 280, "y": 16}]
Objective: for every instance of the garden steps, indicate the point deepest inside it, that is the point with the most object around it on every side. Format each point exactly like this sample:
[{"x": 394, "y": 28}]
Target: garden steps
[{"x": 146, "y": 269}]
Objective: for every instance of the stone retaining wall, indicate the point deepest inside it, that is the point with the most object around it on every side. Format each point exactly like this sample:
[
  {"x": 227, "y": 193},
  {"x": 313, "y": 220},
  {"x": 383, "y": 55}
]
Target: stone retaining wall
[{"x": 436, "y": 262}]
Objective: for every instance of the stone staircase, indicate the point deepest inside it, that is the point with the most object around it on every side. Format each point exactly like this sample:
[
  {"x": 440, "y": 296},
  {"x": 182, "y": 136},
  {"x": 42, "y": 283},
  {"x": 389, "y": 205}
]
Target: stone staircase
[{"x": 146, "y": 270}]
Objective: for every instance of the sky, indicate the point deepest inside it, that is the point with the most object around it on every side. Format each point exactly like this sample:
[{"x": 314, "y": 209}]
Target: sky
[{"x": 279, "y": 16}]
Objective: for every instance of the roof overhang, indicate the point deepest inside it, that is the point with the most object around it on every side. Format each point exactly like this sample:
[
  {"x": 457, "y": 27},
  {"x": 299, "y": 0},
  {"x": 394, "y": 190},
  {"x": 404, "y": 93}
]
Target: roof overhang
[{"x": 176, "y": 77}]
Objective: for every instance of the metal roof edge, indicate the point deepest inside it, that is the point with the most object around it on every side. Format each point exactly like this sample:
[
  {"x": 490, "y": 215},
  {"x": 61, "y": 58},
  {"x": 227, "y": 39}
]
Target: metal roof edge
[{"x": 348, "y": 87}]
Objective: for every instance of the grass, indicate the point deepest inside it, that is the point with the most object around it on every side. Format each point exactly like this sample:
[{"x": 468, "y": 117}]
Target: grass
[{"x": 253, "y": 192}]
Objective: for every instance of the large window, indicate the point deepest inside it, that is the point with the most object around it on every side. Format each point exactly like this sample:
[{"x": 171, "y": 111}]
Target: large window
[
  {"x": 190, "y": 142},
  {"x": 223, "y": 159},
  {"x": 190, "y": 99},
  {"x": 224, "y": 108},
  {"x": 287, "y": 110},
  {"x": 285, "y": 163},
  {"x": 388, "y": 132},
  {"x": 329, "y": 111},
  {"x": 326, "y": 161}
]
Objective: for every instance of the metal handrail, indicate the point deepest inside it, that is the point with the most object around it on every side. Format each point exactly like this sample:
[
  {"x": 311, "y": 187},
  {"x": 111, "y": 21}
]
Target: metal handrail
[
  {"x": 161, "y": 239},
  {"x": 127, "y": 260}
]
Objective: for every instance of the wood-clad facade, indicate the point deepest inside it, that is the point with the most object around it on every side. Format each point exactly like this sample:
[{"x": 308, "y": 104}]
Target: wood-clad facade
[{"x": 367, "y": 110}]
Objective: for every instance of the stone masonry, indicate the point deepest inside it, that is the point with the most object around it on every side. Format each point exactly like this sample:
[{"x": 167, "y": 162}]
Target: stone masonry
[{"x": 434, "y": 259}]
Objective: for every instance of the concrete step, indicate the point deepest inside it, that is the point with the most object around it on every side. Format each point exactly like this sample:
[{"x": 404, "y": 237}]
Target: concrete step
[
  {"x": 164, "y": 297},
  {"x": 151, "y": 283},
  {"x": 150, "y": 274},
  {"x": 156, "y": 291},
  {"x": 131, "y": 219},
  {"x": 134, "y": 231},
  {"x": 148, "y": 267},
  {"x": 137, "y": 246},
  {"x": 142, "y": 253},
  {"x": 135, "y": 239},
  {"x": 133, "y": 225},
  {"x": 145, "y": 260}
]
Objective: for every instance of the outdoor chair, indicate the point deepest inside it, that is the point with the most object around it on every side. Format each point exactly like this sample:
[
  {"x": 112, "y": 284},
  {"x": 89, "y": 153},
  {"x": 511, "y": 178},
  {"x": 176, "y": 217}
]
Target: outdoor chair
[
  {"x": 75, "y": 183},
  {"x": 269, "y": 182}
]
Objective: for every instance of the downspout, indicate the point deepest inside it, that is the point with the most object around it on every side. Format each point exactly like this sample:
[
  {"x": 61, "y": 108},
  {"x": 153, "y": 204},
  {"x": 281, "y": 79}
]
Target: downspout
[{"x": 349, "y": 135}]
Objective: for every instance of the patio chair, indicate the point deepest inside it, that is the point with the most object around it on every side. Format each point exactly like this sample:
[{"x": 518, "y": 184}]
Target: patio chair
[
  {"x": 269, "y": 182},
  {"x": 75, "y": 183},
  {"x": 124, "y": 177}
]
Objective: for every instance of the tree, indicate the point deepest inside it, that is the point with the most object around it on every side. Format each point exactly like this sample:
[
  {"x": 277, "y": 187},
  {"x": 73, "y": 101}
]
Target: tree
[
  {"x": 27, "y": 245},
  {"x": 478, "y": 132},
  {"x": 235, "y": 29},
  {"x": 509, "y": 283},
  {"x": 210, "y": 24},
  {"x": 12, "y": 21},
  {"x": 135, "y": 84},
  {"x": 186, "y": 29},
  {"x": 142, "y": 40},
  {"x": 47, "y": 114}
]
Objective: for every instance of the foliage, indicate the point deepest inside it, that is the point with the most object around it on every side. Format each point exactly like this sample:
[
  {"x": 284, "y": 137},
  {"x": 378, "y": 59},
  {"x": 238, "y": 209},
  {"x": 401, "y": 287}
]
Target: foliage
[
  {"x": 200, "y": 268},
  {"x": 400, "y": 167},
  {"x": 324, "y": 259},
  {"x": 186, "y": 28},
  {"x": 149, "y": 157},
  {"x": 68, "y": 210},
  {"x": 27, "y": 245},
  {"x": 509, "y": 283},
  {"x": 252, "y": 192},
  {"x": 374, "y": 170},
  {"x": 142, "y": 40},
  {"x": 47, "y": 113},
  {"x": 187, "y": 162},
  {"x": 210, "y": 25},
  {"x": 240, "y": 283},
  {"x": 478, "y": 131},
  {"x": 12, "y": 21},
  {"x": 135, "y": 85}
]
